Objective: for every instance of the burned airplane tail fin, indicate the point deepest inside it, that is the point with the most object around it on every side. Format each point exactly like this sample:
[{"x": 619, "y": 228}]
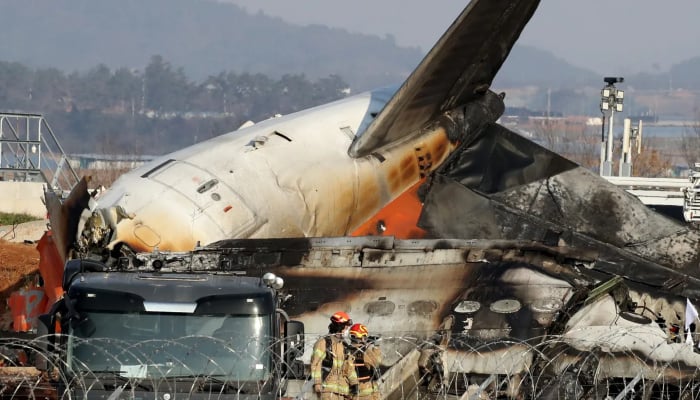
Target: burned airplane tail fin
[
  {"x": 458, "y": 69},
  {"x": 65, "y": 216}
]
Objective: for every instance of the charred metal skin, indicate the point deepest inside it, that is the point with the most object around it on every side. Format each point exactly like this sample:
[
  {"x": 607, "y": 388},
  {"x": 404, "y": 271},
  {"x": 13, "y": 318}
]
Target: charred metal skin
[
  {"x": 499, "y": 185},
  {"x": 554, "y": 318}
]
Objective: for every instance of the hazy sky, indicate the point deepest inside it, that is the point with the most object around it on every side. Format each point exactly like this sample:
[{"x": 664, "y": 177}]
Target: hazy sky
[{"x": 648, "y": 34}]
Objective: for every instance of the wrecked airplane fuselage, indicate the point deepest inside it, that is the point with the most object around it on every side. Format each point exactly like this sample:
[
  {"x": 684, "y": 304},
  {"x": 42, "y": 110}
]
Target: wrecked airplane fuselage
[
  {"x": 324, "y": 171},
  {"x": 573, "y": 288},
  {"x": 538, "y": 318}
]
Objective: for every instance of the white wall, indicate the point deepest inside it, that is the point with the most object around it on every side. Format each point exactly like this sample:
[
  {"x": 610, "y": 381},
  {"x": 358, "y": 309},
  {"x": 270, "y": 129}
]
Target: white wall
[{"x": 22, "y": 197}]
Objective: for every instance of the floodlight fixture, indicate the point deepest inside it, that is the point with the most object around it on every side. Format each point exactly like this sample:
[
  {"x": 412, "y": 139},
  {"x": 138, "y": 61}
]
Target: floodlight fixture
[
  {"x": 611, "y": 80},
  {"x": 610, "y": 103}
]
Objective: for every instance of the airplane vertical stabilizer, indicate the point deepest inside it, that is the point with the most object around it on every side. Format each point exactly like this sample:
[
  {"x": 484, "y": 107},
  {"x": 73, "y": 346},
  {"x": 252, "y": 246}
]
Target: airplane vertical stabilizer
[{"x": 458, "y": 69}]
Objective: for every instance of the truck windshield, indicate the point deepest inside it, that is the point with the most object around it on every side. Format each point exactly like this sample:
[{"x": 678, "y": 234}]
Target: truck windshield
[{"x": 161, "y": 345}]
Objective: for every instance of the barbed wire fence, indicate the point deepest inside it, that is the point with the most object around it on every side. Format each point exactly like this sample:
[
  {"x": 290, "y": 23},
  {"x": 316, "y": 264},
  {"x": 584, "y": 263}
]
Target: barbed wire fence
[{"x": 541, "y": 368}]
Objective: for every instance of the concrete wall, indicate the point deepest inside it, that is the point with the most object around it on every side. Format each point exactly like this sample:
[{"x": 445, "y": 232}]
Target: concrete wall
[{"x": 22, "y": 197}]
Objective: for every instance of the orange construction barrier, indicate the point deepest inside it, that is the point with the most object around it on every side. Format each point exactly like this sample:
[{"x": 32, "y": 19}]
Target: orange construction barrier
[
  {"x": 26, "y": 305},
  {"x": 51, "y": 269}
]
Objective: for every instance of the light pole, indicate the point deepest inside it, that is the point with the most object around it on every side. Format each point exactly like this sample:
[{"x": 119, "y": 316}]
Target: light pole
[{"x": 610, "y": 102}]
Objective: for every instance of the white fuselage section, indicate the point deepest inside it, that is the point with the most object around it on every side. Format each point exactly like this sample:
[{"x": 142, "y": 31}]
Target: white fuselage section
[{"x": 288, "y": 176}]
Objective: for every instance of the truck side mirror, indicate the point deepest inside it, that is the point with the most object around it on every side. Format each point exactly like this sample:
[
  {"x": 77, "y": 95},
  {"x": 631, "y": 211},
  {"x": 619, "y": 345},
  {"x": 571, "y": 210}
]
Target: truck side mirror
[
  {"x": 294, "y": 348},
  {"x": 294, "y": 335},
  {"x": 295, "y": 369}
]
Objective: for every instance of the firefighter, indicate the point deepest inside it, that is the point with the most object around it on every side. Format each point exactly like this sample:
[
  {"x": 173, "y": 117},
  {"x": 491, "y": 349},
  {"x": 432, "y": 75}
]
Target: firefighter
[
  {"x": 367, "y": 356},
  {"x": 332, "y": 369}
]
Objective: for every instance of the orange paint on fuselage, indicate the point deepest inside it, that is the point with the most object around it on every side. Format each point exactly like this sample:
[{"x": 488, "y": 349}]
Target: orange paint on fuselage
[{"x": 399, "y": 218}]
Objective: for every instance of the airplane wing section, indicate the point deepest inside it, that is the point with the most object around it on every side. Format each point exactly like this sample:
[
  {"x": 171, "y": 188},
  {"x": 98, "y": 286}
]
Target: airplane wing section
[{"x": 459, "y": 68}]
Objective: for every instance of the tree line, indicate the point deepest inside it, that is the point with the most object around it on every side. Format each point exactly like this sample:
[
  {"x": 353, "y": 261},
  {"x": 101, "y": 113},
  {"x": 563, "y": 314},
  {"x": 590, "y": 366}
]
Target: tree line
[{"x": 154, "y": 110}]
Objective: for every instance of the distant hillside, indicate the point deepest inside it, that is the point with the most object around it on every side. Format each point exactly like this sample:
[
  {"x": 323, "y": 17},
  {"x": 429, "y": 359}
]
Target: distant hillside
[
  {"x": 203, "y": 37},
  {"x": 206, "y": 37},
  {"x": 683, "y": 75},
  {"x": 528, "y": 65}
]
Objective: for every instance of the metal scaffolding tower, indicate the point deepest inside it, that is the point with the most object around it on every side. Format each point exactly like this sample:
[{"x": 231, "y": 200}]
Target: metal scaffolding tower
[{"x": 30, "y": 152}]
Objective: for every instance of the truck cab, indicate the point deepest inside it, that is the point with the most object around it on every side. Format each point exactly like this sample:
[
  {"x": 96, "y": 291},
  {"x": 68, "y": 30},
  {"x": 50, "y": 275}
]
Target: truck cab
[{"x": 163, "y": 333}]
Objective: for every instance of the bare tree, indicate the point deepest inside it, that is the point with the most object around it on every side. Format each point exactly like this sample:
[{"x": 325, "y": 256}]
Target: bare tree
[
  {"x": 651, "y": 163},
  {"x": 581, "y": 143},
  {"x": 690, "y": 142},
  {"x": 576, "y": 141}
]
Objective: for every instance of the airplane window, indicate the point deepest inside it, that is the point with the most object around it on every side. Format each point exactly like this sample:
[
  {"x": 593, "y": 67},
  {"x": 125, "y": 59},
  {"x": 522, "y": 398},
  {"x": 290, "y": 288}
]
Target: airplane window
[
  {"x": 382, "y": 307},
  {"x": 283, "y": 136},
  {"x": 160, "y": 166},
  {"x": 505, "y": 306},
  {"x": 421, "y": 307},
  {"x": 467, "y": 306}
]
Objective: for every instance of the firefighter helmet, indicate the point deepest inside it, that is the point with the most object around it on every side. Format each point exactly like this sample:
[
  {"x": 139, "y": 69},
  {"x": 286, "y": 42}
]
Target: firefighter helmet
[
  {"x": 341, "y": 318},
  {"x": 358, "y": 332}
]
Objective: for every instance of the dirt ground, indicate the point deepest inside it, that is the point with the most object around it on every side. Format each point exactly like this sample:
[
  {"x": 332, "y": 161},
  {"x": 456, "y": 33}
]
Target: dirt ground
[
  {"x": 17, "y": 262},
  {"x": 19, "y": 267}
]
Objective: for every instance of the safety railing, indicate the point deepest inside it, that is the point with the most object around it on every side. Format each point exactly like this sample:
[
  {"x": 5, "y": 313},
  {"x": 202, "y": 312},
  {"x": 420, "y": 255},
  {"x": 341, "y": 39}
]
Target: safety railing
[
  {"x": 691, "y": 204},
  {"x": 30, "y": 152}
]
